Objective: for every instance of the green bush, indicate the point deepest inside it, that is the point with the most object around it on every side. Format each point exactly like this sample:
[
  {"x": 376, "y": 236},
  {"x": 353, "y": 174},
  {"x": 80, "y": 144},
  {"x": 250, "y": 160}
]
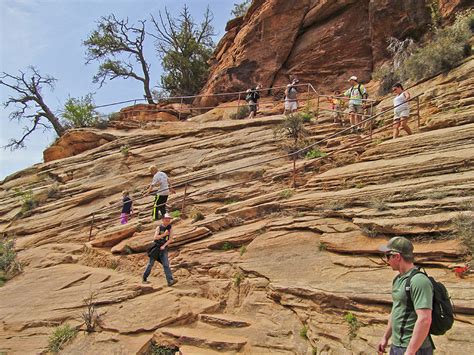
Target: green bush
[
  {"x": 60, "y": 337},
  {"x": 176, "y": 214},
  {"x": 241, "y": 113},
  {"x": 315, "y": 153},
  {"x": 354, "y": 324},
  {"x": 238, "y": 278},
  {"x": 125, "y": 150},
  {"x": 28, "y": 200},
  {"x": 304, "y": 332},
  {"x": 292, "y": 128},
  {"x": 286, "y": 193},
  {"x": 196, "y": 215},
  {"x": 9, "y": 266},
  {"x": 243, "y": 249},
  {"x": 464, "y": 229},
  {"x": 306, "y": 117},
  {"x": 227, "y": 246},
  {"x": 156, "y": 349},
  {"x": 445, "y": 51},
  {"x": 80, "y": 112}
]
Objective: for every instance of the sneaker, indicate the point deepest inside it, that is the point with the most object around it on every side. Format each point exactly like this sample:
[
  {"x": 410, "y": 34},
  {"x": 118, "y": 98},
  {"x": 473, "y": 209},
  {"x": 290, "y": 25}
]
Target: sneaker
[
  {"x": 145, "y": 281},
  {"x": 172, "y": 283}
]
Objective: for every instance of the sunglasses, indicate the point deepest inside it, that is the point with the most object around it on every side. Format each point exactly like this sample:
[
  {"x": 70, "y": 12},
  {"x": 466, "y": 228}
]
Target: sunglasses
[{"x": 390, "y": 254}]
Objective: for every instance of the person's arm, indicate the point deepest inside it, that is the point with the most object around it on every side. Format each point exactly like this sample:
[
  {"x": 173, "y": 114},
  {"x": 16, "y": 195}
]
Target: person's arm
[
  {"x": 407, "y": 95},
  {"x": 420, "y": 332},
  {"x": 157, "y": 234},
  {"x": 170, "y": 239},
  {"x": 386, "y": 336}
]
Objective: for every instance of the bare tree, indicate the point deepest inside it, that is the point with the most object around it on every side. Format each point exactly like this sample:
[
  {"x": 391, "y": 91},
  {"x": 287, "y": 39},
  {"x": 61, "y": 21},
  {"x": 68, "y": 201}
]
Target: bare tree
[
  {"x": 185, "y": 48},
  {"x": 29, "y": 104},
  {"x": 114, "y": 38}
]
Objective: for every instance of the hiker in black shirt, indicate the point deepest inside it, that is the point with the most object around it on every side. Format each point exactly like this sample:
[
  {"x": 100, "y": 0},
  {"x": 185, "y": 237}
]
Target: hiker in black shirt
[
  {"x": 252, "y": 98},
  {"x": 126, "y": 207},
  {"x": 159, "y": 251}
]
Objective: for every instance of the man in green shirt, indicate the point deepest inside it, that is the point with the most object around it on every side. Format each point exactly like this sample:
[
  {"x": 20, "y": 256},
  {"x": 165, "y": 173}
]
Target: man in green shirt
[{"x": 410, "y": 336}]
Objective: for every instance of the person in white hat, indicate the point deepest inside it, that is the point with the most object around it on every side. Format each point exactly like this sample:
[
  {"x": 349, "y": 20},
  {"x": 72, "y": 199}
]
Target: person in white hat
[
  {"x": 159, "y": 251},
  {"x": 356, "y": 93}
]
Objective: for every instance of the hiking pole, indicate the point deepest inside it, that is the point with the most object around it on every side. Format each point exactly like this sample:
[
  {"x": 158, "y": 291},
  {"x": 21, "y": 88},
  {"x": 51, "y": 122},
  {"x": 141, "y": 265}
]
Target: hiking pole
[
  {"x": 92, "y": 225},
  {"x": 317, "y": 108}
]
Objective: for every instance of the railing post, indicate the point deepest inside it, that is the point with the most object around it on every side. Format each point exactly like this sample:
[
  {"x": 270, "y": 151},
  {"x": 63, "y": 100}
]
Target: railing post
[
  {"x": 308, "y": 100},
  {"x": 92, "y": 225},
  {"x": 294, "y": 171},
  {"x": 238, "y": 104},
  {"x": 371, "y": 121},
  {"x": 184, "y": 199},
  {"x": 180, "y": 109},
  {"x": 418, "y": 111},
  {"x": 317, "y": 108}
]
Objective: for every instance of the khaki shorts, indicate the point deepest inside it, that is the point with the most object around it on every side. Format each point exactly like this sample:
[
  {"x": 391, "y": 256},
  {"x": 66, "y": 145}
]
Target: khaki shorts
[
  {"x": 356, "y": 108},
  {"x": 399, "y": 114}
]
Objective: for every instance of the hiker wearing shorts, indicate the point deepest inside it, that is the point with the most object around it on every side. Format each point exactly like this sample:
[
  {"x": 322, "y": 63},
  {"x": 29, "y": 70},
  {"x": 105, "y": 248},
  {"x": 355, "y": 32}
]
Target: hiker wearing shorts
[
  {"x": 160, "y": 180},
  {"x": 252, "y": 100},
  {"x": 356, "y": 93},
  {"x": 159, "y": 251},
  {"x": 401, "y": 110},
  {"x": 126, "y": 207},
  {"x": 291, "y": 100},
  {"x": 337, "y": 105}
]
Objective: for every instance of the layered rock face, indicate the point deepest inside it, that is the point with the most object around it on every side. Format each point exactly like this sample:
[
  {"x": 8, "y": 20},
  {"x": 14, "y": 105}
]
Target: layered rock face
[
  {"x": 322, "y": 42},
  {"x": 269, "y": 269}
]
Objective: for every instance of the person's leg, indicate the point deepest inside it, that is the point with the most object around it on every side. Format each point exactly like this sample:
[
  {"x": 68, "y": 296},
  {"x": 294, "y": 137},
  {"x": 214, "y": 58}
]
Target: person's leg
[
  {"x": 123, "y": 218},
  {"x": 162, "y": 204},
  {"x": 396, "y": 129},
  {"x": 166, "y": 266},
  {"x": 405, "y": 125},
  {"x": 154, "y": 211},
  {"x": 425, "y": 351},
  {"x": 148, "y": 268}
]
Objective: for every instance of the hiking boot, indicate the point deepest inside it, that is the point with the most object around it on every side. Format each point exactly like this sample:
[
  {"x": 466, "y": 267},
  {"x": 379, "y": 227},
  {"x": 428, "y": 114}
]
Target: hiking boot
[
  {"x": 144, "y": 281},
  {"x": 172, "y": 283}
]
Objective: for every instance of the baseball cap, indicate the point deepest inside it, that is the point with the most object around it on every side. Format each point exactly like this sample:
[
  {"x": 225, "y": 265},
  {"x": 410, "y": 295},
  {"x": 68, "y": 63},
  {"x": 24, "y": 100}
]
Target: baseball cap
[
  {"x": 353, "y": 77},
  {"x": 167, "y": 215},
  {"x": 399, "y": 245}
]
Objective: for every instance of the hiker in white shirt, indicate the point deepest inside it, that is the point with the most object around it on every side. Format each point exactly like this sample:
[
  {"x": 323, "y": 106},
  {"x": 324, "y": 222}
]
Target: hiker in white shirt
[{"x": 401, "y": 110}]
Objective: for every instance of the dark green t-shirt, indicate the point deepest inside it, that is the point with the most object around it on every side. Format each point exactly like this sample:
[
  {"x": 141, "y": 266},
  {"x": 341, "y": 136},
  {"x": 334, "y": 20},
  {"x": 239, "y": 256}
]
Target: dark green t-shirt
[{"x": 422, "y": 297}]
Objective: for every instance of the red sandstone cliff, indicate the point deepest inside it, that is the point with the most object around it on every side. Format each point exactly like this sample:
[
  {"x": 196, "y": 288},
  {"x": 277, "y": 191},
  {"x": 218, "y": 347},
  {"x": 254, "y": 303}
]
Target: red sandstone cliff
[{"x": 318, "y": 41}]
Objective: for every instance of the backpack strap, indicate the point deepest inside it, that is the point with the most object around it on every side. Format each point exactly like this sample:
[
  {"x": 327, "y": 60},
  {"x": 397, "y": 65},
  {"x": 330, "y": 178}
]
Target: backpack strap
[{"x": 410, "y": 307}]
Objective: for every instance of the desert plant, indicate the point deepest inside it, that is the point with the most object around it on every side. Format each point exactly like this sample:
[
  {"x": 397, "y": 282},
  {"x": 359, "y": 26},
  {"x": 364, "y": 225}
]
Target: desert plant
[
  {"x": 80, "y": 112},
  {"x": 242, "y": 250},
  {"x": 125, "y": 150},
  {"x": 53, "y": 191},
  {"x": 286, "y": 193},
  {"x": 369, "y": 231},
  {"x": 359, "y": 185},
  {"x": 196, "y": 215},
  {"x": 315, "y": 153},
  {"x": 238, "y": 278},
  {"x": 176, "y": 214},
  {"x": 464, "y": 229},
  {"x": 335, "y": 205},
  {"x": 9, "y": 266},
  {"x": 90, "y": 315},
  {"x": 306, "y": 117},
  {"x": 156, "y": 349},
  {"x": 353, "y": 323},
  {"x": 28, "y": 200},
  {"x": 378, "y": 203},
  {"x": 322, "y": 246},
  {"x": 230, "y": 201},
  {"x": 304, "y": 332},
  {"x": 293, "y": 129},
  {"x": 240, "y": 9},
  {"x": 227, "y": 246},
  {"x": 242, "y": 112},
  {"x": 60, "y": 337}
]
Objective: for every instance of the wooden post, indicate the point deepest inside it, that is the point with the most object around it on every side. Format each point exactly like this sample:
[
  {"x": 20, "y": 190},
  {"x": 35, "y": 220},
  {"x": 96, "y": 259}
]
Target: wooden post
[
  {"x": 180, "y": 109},
  {"x": 294, "y": 171},
  {"x": 92, "y": 225},
  {"x": 308, "y": 100},
  {"x": 317, "y": 108},
  {"x": 418, "y": 110},
  {"x": 371, "y": 122},
  {"x": 238, "y": 104},
  {"x": 184, "y": 200}
]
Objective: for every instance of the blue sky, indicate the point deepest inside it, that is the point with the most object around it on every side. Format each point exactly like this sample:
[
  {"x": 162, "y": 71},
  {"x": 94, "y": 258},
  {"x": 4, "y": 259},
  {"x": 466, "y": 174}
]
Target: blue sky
[{"x": 49, "y": 33}]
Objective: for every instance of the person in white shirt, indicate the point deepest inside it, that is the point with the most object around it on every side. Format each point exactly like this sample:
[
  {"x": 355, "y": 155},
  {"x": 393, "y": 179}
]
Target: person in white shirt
[
  {"x": 401, "y": 110},
  {"x": 160, "y": 180}
]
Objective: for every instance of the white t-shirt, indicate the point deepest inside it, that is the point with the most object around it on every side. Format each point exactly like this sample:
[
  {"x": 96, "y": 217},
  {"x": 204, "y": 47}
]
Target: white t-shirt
[
  {"x": 400, "y": 101},
  {"x": 161, "y": 179}
]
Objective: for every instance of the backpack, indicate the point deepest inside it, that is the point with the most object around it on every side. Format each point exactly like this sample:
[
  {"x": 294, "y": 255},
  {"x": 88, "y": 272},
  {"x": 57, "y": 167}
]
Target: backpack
[
  {"x": 442, "y": 314},
  {"x": 364, "y": 96}
]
